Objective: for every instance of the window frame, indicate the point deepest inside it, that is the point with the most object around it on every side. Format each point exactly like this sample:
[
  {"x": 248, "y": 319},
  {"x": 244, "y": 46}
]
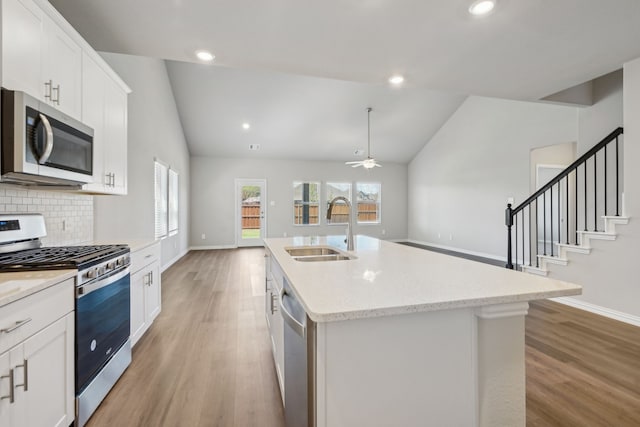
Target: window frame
[
  {"x": 328, "y": 199},
  {"x": 161, "y": 202},
  {"x": 309, "y": 203},
  {"x": 378, "y": 204}
]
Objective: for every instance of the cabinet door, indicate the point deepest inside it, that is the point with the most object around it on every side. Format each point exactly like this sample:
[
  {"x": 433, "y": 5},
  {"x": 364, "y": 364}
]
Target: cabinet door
[
  {"x": 22, "y": 47},
  {"x": 138, "y": 285},
  {"x": 93, "y": 87},
  {"x": 63, "y": 66},
  {"x": 49, "y": 357},
  {"x": 153, "y": 298},
  {"x": 115, "y": 143},
  {"x": 6, "y": 407}
]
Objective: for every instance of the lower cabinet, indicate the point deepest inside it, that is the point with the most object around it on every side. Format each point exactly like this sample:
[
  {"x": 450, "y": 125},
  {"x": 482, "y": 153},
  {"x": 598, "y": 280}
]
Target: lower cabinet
[
  {"x": 146, "y": 290},
  {"x": 37, "y": 385},
  {"x": 275, "y": 323}
]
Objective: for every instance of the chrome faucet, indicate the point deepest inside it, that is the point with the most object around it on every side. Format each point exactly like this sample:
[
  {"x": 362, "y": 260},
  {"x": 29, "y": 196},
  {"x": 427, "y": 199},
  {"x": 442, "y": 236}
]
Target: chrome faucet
[{"x": 349, "y": 239}]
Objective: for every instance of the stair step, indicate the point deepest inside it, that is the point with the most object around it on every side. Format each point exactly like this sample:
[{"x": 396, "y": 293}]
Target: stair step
[
  {"x": 616, "y": 219},
  {"x": 580, "y": 249},
  {"x": 534, "y": 270},
  {"x": 585, "y": 236},
  {"x": 553, "y": 260},
  {"x": 610, "y": 222}
]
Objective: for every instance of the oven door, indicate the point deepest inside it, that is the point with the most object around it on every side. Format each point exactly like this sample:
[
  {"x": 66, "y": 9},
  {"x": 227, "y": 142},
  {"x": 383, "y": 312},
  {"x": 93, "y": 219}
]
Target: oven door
[{"x": 102, "y": 323}]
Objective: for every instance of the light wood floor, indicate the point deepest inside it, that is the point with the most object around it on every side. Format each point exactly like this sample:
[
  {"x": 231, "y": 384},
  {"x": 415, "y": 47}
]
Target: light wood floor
[{"x": 206, "y": 361}]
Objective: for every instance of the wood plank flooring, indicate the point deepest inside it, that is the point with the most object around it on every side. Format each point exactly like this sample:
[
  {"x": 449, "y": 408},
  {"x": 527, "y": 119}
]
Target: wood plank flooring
[{"x": 206, "y": 361}]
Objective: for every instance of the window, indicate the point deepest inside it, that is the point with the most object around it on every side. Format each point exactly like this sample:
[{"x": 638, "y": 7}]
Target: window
[
  {"x": 173, "y": 202},
  {"x": 161, "y": 205},
  {"x": 306, "y": 203},
  {"x": 340, "y": 212},
  {"x": 368, "y": 202}
]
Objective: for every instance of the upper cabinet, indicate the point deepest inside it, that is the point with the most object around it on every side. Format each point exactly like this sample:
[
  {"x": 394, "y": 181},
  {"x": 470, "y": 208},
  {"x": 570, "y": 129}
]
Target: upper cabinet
[
  {"x": 39, "y": 58},
  {"x": 45, "y": 57},
  {"x": 104, "y": 108}
]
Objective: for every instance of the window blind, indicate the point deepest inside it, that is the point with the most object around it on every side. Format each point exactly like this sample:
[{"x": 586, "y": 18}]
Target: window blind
[
  {"x": 161, "y": 205},
  {"x": 173, "y": 201}
]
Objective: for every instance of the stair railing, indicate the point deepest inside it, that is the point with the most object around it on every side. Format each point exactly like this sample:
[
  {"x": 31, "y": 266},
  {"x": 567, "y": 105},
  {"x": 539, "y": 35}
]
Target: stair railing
[{"x": 585, "y": 188}]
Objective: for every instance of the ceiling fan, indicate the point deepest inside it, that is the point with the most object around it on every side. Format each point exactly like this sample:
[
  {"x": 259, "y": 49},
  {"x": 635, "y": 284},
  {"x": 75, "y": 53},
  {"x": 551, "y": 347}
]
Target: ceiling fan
[{"x": 369, "y": 162}]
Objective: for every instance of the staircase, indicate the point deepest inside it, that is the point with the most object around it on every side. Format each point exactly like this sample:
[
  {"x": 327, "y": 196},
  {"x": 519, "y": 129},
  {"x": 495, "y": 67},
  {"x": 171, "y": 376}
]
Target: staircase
[{"x": 582, "y": 203}]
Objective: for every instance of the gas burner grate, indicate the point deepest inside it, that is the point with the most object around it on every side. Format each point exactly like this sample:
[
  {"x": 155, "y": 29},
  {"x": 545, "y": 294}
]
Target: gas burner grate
[{"x": 54, "y": 258}]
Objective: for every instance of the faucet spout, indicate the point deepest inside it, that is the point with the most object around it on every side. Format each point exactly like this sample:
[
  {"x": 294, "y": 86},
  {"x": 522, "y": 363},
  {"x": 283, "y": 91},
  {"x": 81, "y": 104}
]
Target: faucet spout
[{"x": 349, "y": 239}]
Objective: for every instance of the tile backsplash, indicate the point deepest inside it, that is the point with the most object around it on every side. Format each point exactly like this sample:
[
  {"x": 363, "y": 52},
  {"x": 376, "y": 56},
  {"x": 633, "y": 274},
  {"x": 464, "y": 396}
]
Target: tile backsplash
[{"x": 68, "y": 216}]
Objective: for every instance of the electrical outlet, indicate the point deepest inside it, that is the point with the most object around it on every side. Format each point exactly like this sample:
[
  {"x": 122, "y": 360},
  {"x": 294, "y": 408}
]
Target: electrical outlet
[
  {"x": 384, "y": 231},
  {"x": 203, "y": 236},
  {"x": 450, "y": 236},
  {"x": 284, "y": 234},
  {"x": 439, "y": 236}
]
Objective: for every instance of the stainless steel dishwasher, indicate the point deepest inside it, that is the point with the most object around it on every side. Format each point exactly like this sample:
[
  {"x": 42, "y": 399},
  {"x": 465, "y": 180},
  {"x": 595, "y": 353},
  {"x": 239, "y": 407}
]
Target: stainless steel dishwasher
[{"x": 299, "y": 361}]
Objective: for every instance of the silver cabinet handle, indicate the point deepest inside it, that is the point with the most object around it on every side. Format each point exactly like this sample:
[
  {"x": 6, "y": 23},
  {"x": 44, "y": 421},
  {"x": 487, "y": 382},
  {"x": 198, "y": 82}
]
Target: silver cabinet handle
[
  {"x": 56, "y": 100},
  {"x": 48, "y": 86},
  {"x": 49, "y": 144},
  {"x": 11, "y": 395},
  {"x": 25, "y": 375},
  {"x": 17, "y": 325}
]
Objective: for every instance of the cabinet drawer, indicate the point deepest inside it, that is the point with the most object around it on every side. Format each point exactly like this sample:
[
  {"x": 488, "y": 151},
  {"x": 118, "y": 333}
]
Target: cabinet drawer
[
  {"x": 277, "y": 275},
  {"x": 43, "y": 308},
  {"x": 144, "y": 257}
]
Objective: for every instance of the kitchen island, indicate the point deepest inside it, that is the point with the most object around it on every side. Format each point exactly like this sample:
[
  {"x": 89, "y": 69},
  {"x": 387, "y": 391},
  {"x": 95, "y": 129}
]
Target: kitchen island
[{"x": 404, "y": 336}]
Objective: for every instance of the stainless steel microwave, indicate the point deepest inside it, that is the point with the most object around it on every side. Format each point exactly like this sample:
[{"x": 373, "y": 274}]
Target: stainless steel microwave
[{"x": 42, "y": 146}]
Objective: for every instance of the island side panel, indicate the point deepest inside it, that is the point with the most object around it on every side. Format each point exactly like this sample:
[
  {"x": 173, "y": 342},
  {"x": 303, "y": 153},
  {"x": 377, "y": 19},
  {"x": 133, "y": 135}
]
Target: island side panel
[
  {"x": 501, "y": 365},
  {"x": 407, "y": 370}
]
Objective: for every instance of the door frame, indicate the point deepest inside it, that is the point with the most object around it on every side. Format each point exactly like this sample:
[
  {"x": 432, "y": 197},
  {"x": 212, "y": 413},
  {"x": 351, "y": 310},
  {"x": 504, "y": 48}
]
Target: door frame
[{"x": 240, "y": 182}]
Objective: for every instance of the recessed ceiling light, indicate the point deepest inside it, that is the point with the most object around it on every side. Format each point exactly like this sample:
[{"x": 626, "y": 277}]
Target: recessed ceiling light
[
  {"x": 246, "y": 126},
  {"x": 481, "y": 7},
  {"x": 396, "y": 80},
  {"x": 204, "y": 55}
]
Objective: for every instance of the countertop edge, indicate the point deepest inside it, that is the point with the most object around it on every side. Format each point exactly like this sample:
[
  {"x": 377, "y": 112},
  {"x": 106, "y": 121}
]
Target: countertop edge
[{"x": 42, "y": 284}]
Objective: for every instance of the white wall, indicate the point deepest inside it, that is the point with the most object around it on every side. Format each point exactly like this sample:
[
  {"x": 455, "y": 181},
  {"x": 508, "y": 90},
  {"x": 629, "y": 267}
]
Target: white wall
[
  {"x": 609, "y": 275},
  {"x": 155, "y": 131},
  {"x": 213, "y": 210},
  {"x": 460, "y": 181}
]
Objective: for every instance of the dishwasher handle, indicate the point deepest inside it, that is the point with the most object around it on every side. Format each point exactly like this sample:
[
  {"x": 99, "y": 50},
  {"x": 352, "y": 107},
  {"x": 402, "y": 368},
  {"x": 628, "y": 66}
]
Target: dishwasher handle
[{"x": 298, "y": 327}]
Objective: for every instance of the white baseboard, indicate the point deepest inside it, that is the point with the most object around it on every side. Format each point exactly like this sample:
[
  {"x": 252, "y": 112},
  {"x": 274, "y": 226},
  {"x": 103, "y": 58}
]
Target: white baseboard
[
  {"x": 463, "y": 251},
  {"x": 602, "y": 311},
  {"x": 174, "y": 260},
  {"x": 207, "y": 248}
]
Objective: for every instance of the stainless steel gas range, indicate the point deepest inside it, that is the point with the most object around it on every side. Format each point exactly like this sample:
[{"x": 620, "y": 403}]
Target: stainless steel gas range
[{"x": 102, "y": 302}]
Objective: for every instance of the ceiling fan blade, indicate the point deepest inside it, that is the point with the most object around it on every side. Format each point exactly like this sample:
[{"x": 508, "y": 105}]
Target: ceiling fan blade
[
  {"x": 357, "y": 165},
  {"x": 353, "y": 163}
]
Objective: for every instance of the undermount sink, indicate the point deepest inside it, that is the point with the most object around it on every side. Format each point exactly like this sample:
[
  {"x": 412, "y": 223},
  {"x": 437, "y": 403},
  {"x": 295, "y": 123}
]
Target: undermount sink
[
  {"x": 317, "y": 253},
  {"x": 313, "y": 250},
  {"x": 323, "y": 258}
]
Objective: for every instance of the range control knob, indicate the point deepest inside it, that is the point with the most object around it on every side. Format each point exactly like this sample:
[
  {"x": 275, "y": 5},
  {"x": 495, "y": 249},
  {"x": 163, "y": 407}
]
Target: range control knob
[
  {"x": 92, "y": 274},
  {"x": 111, "y": 265}
]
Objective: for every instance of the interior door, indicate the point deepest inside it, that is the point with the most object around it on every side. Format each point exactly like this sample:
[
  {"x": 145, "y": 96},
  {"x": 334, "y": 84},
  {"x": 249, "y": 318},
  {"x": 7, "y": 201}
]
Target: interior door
[{"x": 251, "y": 223}]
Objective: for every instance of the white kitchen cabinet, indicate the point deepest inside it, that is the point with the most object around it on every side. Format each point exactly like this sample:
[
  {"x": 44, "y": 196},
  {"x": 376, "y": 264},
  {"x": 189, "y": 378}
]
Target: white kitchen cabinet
[
  {"x": 39, "y": 57},
  {"x": 37, "y": 375},
  {"x": 146, "y": 289},
  {"x": 104, "y": 108},
  {"x": 275, "y": 323}
]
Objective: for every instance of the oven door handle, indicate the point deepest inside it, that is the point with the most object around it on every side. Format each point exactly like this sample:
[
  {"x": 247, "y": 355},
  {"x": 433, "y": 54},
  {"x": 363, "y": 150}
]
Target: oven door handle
[{"x": 84, "y": 290}]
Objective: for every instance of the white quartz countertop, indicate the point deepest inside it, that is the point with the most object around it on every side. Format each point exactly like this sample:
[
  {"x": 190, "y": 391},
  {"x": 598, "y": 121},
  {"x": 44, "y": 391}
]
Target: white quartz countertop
[
  {"x": 134, "y": 244},
  {"x": 20, "y": 284},
  {"x": 389, "y": 278}
]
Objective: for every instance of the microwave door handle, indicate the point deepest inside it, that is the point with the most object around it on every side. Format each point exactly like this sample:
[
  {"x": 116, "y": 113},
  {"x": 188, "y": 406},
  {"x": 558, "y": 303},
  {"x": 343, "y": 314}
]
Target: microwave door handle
[{"x": 49, "y": 141}]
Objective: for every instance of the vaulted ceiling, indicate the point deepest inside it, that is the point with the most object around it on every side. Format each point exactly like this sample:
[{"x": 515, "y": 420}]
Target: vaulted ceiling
[{"x": 302, "y": 73}]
